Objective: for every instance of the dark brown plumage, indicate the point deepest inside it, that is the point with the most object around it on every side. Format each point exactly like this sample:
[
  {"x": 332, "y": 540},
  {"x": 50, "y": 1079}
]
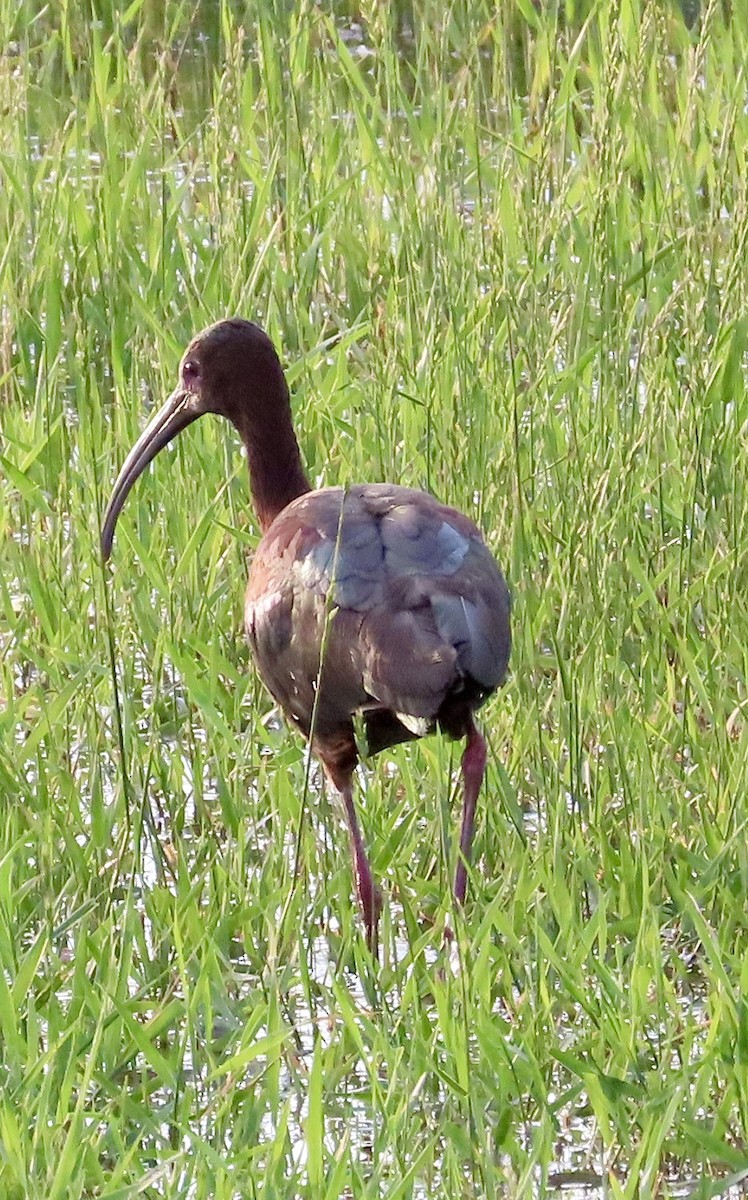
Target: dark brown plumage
[{"x": 416, "y": 627}]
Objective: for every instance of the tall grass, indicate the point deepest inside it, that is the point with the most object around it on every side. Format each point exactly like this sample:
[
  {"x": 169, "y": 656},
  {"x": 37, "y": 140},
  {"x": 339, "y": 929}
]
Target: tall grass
[{"x": 502, "y": 250}]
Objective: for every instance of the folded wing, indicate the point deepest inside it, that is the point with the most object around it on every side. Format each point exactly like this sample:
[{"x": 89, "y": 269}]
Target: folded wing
[{"x": 402, "y": 592}]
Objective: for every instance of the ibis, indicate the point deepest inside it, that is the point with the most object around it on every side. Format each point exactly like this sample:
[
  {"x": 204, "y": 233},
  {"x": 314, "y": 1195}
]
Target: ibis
[{"x": 369, "y": 607}]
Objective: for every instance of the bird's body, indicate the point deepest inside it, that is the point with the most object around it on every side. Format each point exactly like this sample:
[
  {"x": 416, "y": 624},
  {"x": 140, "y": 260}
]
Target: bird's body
[
  {"x": 374, "y": 600},
  {"x": 417, "y": 614}
]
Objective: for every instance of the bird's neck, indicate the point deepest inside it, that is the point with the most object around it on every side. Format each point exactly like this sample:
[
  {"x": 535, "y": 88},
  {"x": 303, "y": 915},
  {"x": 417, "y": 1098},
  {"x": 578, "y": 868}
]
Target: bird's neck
[{"x": 276, "y": 472}]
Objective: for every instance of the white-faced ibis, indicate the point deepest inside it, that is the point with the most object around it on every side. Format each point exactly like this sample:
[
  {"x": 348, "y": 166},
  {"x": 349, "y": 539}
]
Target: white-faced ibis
[{"x": 415, "y": 634}]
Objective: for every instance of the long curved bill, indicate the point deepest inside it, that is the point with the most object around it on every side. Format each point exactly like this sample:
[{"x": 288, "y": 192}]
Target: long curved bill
[{"x": 177, "y": 413}]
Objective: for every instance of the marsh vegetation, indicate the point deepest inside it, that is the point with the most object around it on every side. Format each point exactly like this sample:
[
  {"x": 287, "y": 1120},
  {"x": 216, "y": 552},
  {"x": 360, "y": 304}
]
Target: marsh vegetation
[{"x": 502, "y": 249}]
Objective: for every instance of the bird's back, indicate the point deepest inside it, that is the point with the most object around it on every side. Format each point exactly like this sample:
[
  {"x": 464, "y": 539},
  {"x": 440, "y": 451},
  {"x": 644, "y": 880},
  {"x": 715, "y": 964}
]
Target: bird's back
[{"x": 415, "y": 629}]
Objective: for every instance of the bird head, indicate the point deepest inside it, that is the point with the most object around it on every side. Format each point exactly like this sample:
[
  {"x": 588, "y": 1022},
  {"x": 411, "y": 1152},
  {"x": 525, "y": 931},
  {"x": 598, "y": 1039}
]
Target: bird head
[{"x": 231, "y": 369}]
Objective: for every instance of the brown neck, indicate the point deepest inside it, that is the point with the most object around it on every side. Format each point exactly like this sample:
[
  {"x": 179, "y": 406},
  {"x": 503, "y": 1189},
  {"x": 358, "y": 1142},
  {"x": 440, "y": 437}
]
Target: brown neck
[{"x": 276, "y": 473}]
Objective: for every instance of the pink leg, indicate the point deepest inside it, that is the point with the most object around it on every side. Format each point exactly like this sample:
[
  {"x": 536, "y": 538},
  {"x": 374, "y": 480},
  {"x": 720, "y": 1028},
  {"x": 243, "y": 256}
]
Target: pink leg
[
  {"x": 473, "y": 770},
  {"x": 369, "y": 895}
]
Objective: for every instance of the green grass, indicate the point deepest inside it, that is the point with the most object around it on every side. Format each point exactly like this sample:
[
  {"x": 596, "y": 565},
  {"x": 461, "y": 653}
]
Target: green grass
[{"x": 502, "y": 250}]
